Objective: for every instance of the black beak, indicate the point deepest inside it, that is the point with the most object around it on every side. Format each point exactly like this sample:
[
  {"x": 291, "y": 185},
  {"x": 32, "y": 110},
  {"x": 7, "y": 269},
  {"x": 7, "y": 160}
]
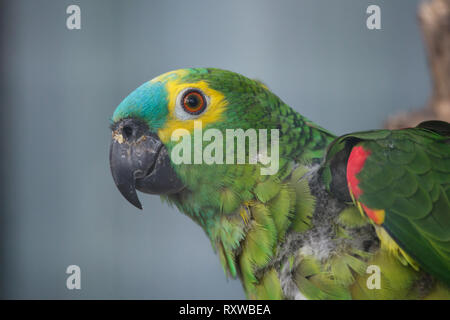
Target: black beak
[{"x": 139, "y": 160}]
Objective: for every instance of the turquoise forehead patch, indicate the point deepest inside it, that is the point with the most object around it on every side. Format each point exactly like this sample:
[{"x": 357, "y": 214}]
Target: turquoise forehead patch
[{"x": 148, "y": 103}]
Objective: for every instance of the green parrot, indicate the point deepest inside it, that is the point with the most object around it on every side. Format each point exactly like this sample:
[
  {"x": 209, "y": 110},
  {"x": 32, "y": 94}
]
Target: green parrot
[{"x": 361, "y": 216}]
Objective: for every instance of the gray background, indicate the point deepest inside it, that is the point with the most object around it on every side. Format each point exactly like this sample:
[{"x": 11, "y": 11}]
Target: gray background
[{"x": 59, "y": 205}]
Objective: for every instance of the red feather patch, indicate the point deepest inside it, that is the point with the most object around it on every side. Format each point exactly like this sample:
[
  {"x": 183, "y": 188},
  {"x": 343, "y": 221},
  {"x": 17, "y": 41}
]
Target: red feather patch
[{"x": 355, "y": 163}]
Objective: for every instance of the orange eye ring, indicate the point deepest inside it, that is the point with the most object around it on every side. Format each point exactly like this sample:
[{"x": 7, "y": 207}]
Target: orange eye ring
[{"x": 194, "y": 102}]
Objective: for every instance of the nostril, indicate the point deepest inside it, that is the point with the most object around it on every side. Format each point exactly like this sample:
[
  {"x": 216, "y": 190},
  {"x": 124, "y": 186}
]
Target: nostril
[{"x": 127, "y": 131}]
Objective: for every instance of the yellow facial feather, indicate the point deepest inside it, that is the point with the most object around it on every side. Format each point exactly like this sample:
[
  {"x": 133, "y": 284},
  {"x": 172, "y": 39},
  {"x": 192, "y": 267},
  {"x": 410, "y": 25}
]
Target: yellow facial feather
[
  {"x": 171, "y": 74},
  {"x": 212, "y": 114}
]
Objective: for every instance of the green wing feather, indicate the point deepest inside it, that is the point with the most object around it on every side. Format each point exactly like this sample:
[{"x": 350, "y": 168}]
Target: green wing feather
[{"x": 408, "y": 175}]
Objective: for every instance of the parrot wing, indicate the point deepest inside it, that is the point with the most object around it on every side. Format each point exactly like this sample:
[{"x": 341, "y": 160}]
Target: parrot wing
[{"x": 400, "y": 179}]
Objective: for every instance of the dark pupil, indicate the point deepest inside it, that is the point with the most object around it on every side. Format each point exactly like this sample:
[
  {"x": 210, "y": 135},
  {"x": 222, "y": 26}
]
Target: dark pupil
[{"x": 192, "y": 101}]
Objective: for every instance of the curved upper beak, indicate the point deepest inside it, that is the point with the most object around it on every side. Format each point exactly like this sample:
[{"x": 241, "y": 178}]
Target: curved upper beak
[{"x": 139, "y": 160}]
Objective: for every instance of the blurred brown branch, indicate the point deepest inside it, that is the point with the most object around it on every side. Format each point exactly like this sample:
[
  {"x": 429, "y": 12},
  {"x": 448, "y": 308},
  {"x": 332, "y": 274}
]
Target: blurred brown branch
[{"x": 434, "y": 17}]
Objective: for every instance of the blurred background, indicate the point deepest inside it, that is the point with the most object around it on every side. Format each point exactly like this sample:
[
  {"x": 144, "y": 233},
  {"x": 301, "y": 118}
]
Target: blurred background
[{"x": 59, "y": 87}]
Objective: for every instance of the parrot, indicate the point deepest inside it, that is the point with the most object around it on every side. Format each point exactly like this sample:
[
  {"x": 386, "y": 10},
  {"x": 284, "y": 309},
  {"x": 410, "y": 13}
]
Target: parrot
[{"x": 365, "y": 215}]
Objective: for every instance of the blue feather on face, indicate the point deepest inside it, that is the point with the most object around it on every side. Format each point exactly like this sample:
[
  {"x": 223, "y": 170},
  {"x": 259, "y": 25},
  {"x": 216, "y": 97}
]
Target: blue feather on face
[{"x": 148, "y": 103}]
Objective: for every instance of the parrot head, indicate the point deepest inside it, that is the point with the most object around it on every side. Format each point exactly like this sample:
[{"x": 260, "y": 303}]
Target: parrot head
[{"x": 145, "y": 123}]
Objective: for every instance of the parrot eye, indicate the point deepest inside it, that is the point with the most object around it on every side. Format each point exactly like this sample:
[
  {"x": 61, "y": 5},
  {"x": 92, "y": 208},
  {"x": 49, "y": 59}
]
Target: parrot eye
[{"x": 193, "y": 102}]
